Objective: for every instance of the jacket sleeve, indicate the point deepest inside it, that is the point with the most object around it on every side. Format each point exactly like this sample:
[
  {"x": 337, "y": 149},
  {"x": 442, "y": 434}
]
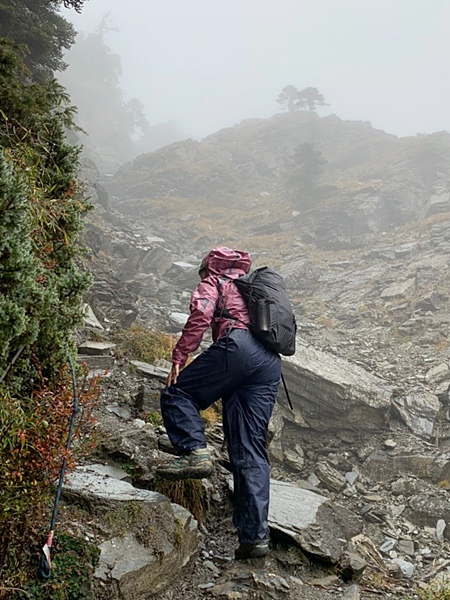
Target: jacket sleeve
[{"x": 203, "y": 304}]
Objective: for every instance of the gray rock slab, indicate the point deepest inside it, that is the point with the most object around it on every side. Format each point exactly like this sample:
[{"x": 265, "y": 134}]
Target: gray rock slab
[
  {"x": 327, "y": 582},
  {"x": 438, "y": 203},
  {"x": 152, "y": 239},
  {"x": 91, "y": 348},
  {"x": 162, "y": 363},
  {"x": 427, "y": 510},
  {"x": 178, "y": 319},
  {"x": 406, "y": 547},
  {"x": 139, "y": 571},
  {"x": 150, "y": 370},
  {"x": 301, "y": 274},
  {"x": 123, "y": 412},
  {"x": 430, "y": 302},
  {"x": 351, "y": 566},
  {"x": 260, "y": 584},
  {"x": 398, "y": 289},
  {"x": 307, "y": 485},
  {"x": 157, "y": 260},
  {"x": 183, "y": 274},
  {"x": 187, "y": 532},
  {"x": 312, "y": 521},
  {"x": 121, "y": 556},
  {"x": 90, "y": 320},
  {"x": 106, "y": 471},
  {"x": 294, "y": 457},
  {"x": 406, "y": 486},
  {"x": 382, "y": 466},
  {"x": 184, "y": 265},
  {"x": 135, "y": 444},
  {"x": 97, "y": 363},
  {"x": 329, "y": 477},
  {"x": 84, "y": 483},
  {"x": 388, "y": 545},
  {"x": 406, "y": 567},
  {"x": 351, "y": 477},
  {"x": 351, "y": 593},
  {"x": 438, "y": 373},
  {"x": 440, "y": 528},
  {"x": 418, "y": 411},
  {"x": 330, "y": 393}
]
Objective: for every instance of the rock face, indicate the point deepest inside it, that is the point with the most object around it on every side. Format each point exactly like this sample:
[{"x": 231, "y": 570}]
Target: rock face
[
  {"x": 329, "y": 393},
  {"x": 319, "y": 527},
  {"x": 149, "y": 540}
]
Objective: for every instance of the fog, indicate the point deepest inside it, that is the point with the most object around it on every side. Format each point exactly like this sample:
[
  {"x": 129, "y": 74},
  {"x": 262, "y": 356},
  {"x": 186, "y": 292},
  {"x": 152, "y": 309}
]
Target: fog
[{"x": 208, "y": 64}]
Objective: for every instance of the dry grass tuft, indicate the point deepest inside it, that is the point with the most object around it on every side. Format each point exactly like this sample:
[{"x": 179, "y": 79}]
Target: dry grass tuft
[
  {"x": 188, "y": 493},
  {"x": 139, "y": 343}
]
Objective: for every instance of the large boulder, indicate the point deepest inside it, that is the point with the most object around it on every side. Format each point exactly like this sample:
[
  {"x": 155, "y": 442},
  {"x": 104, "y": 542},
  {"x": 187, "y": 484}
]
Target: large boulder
[
  {"x": 316, "y": 524},
  {"x": 330, "y": 393},
  {"x": 148, "y": 540}
]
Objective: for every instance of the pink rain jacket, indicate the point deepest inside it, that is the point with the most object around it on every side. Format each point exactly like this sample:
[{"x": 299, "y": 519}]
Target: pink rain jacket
[{"x": 205, "y": 298}]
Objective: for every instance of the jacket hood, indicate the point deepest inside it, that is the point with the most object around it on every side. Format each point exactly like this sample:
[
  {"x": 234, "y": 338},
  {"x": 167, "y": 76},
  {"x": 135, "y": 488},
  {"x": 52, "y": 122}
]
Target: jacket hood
[{"x": 223, "y": 261}]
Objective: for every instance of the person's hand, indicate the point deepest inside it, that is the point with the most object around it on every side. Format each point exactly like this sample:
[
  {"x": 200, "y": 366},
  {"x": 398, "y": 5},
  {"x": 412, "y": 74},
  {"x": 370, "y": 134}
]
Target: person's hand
[{"x": 173, "y": 375}]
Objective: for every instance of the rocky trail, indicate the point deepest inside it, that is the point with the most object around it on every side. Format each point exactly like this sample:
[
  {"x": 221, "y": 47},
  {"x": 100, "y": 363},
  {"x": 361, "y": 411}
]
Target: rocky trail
[
  {"x": 376, "y": 491},
  {"x": 360, "y": 468}
]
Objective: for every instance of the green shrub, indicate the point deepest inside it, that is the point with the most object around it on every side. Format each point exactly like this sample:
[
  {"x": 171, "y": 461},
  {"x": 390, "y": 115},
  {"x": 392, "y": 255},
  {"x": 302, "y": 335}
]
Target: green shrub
[
  {"x": 42, "y": 282},
  {"x": 154, "y": 418}
]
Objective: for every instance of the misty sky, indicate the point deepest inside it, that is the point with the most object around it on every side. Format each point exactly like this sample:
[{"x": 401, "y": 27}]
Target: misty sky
[{"x": 208, "y": 64}]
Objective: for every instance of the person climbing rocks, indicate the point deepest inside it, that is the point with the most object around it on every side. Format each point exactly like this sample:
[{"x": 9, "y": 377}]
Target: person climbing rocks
[{"x": 241, "y": 372}]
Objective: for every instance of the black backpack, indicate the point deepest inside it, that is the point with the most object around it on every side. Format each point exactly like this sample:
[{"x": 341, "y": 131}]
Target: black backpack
[{"x": 272, "y": 321}]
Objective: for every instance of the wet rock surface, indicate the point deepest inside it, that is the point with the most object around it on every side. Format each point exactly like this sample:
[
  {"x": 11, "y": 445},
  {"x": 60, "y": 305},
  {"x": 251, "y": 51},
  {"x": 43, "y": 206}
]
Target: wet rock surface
[{"x": 338, "y": 527}]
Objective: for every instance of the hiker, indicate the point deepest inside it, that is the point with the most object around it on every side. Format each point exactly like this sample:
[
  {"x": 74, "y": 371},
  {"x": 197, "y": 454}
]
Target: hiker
[{"x": 238, "y": 369}]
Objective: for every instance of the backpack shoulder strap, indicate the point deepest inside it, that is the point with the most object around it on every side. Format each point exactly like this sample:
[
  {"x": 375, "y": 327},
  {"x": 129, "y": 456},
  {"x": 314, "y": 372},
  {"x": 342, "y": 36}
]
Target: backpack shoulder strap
[{"x": 221, "y": 311}]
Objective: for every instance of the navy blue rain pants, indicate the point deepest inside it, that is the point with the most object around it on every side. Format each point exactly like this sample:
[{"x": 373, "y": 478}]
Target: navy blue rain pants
[{"x": 246, "y": 376}]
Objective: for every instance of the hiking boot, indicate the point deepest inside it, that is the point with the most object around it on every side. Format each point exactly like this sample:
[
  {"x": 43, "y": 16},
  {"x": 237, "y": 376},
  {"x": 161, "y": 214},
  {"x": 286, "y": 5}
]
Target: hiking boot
[
  {"x": 252, "y": 550},
  {"x": 192, "y": 465}
]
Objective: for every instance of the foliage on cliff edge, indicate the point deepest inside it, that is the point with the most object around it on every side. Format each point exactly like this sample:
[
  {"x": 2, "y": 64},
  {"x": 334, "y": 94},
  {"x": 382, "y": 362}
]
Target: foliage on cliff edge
[{"x": 42, "y": 281}]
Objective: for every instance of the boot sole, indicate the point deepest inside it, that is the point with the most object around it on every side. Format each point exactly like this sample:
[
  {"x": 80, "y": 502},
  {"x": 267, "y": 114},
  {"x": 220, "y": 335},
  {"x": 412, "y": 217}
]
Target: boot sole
[
  {"x": 253, "y": 553},
  {"x": 192, "y": 473}
]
